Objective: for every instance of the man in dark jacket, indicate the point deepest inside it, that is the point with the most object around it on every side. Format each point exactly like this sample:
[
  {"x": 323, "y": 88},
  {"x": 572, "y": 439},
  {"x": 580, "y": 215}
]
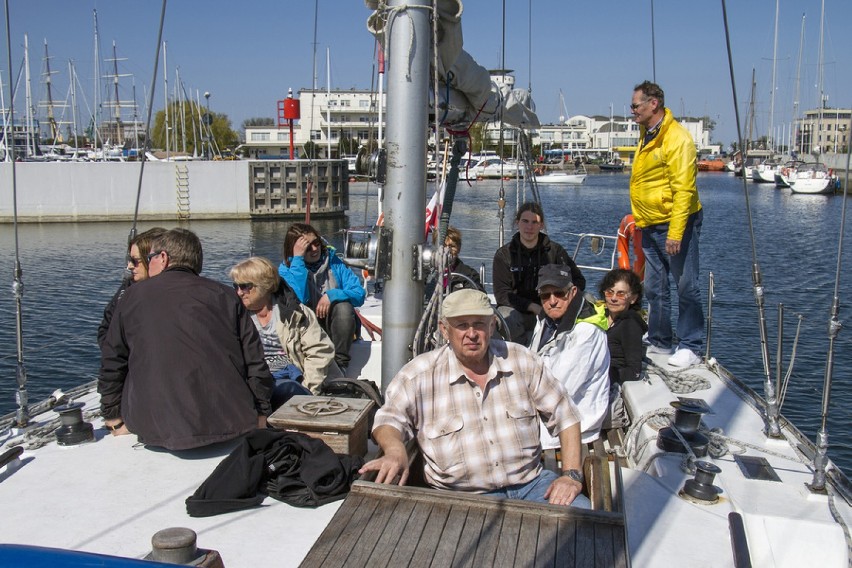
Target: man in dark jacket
[
  {"x": 182, "y": 365},
  {"x": 515, "y": 271}
]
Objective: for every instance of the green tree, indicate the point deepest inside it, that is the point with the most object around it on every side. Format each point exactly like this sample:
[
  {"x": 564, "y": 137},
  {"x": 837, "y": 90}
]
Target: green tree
[
  {"x": 309, "y": 150},
  {"x": 186, "y": 130},
  {"x": 347, "y": 146}
]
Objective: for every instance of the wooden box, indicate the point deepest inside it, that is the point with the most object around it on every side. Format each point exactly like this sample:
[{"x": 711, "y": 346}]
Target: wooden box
[{"x": 339, "y": 422}]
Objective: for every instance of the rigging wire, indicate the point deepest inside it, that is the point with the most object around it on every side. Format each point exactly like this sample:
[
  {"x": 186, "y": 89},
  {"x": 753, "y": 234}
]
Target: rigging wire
[
  {"x": 132, "y": 234},
  {"x": 773, "y": 429},
  {"x": 22, "y": 414}
]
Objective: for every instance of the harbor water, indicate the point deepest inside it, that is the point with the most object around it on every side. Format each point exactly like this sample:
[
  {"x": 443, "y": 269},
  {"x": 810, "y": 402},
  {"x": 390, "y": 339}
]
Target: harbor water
[{"x": 70, "y": 271}]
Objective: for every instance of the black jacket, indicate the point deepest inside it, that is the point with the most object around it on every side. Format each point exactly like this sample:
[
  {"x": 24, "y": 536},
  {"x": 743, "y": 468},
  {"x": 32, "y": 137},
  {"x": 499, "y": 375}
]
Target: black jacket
[
  {"x": 289, "y": 466},
  {"x": 110, "y": 309},
  {"x": 626, "y": 349},
  {"x": 515, "y": 271},
  {"x": 182, "y": 363}
]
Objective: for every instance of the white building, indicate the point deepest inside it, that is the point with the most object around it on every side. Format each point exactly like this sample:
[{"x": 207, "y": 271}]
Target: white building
[{"x": 327, "y": 118}]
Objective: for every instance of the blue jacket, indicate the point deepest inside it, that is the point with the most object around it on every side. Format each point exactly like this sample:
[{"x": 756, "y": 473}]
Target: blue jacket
[{"x": 349, "y": 287}]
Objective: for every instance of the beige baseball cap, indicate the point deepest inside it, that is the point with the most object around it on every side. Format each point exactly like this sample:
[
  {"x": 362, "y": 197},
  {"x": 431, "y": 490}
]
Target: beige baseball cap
[{"x": 466, "y": 302}]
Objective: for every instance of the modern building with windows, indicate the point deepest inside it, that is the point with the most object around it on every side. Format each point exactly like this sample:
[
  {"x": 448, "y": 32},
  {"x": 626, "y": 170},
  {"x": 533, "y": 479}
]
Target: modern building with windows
[{"x": 823, "y": 131}]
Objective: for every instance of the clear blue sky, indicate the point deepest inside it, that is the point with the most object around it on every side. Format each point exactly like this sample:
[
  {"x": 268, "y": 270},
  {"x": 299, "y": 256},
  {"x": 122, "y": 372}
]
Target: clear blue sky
[{"x": 246, "y": 54}]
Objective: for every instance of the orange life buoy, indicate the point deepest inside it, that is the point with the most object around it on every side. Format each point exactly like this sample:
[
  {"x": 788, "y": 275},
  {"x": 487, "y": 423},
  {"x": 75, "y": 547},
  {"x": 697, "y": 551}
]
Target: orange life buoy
[{"x": 628, "y": 231}]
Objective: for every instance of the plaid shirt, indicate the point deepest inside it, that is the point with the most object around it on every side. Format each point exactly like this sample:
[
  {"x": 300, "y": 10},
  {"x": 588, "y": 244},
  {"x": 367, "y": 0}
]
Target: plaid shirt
[{"x": 472, "y": 439}]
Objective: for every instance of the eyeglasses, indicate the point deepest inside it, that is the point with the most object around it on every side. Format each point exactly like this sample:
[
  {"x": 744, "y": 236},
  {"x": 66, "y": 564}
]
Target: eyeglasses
[
  {"x": 560, "y": 295},
  {"x": 244, "y": 286},
  {"x": 134, "y": 261},
  {"x": 315, "y": 243},
  {"x": 635, "y": 106},
  {"x": 620, "y": 294},
  {"x": 153, "y": 254}
]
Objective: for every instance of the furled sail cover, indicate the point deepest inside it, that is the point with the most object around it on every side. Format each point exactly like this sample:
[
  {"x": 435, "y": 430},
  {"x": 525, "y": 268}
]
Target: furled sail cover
[{"x": 470, "y": 84}]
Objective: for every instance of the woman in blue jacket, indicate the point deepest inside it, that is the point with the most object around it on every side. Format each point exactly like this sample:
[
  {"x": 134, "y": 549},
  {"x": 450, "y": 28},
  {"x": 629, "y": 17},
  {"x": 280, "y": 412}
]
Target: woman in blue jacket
[{"x": 325, "y": 284}]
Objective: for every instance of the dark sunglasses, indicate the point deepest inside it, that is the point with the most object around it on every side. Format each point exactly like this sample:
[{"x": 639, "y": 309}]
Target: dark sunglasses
[
  {"x": 560, "y": 295},
  {"x": 152, "y": 255},
  {"x": 134, "y": 261},
  {"x": 244, "y": 286}
]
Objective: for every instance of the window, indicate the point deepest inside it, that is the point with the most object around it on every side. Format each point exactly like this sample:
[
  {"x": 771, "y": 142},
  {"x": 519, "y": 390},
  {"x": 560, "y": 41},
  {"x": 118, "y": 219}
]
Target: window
[
  {"x": 332, "y": 103},
  {"x": 259, "y": 136},
  {"x": 316, "y": 135},
  {"x": 283, "y": 135},
  {"x": 364, "y": 103},
  {"x": 345, "y": 103}
]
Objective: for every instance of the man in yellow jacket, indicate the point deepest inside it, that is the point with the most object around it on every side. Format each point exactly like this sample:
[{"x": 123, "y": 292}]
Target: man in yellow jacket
[{"x": 665, "y": 204}]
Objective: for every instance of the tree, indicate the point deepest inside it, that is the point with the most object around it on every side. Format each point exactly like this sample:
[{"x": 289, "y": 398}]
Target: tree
[
  {"x": 309, "y": 150},
  {"x": 257, "y": 121},
  {"x": 186, "y": 133}
]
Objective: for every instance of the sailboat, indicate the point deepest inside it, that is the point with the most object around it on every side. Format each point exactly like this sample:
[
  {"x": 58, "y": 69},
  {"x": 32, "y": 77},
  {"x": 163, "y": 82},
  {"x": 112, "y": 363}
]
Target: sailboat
[
  {"x": 550, "y": 176},
  {"x": 765, "y": 171},
  {"x": 709, "y": 473},
  {"x": 815, "y": 178}
]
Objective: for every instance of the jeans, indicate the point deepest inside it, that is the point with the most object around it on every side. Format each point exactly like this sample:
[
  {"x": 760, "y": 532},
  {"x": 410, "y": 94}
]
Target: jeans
[
  {"x": 683, "y": 267},
  {"x": 287, "y": 385},
  {"x": 340, "y": 326},
  {"x": 535, "y": 490}
]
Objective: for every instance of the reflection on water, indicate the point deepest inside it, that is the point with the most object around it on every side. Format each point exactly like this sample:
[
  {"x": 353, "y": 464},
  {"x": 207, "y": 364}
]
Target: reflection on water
[{"x": 71, "y": 271}]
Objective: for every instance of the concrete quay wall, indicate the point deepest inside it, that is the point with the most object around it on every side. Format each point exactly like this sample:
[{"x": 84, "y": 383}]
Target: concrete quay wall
[{"x": 106, "y": 191}]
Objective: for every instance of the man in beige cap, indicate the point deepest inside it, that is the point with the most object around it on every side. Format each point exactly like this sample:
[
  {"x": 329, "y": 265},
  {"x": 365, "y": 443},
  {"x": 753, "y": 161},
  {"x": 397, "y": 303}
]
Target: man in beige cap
[{"x": 474, "y": 407}]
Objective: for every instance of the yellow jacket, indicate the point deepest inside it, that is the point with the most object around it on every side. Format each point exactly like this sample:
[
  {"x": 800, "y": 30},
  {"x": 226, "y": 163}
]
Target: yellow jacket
[{"x": 662, "y": 183}]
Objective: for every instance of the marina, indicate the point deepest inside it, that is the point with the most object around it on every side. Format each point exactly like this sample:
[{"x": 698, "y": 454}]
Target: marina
[{"x": 724, "y": 460}]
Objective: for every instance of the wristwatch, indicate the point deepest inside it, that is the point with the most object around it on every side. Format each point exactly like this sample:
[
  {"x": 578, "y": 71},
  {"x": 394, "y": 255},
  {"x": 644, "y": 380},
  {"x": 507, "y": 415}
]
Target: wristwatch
[
  {"x": 114, "y": 427},
  {"x": 574, "y": 474}
]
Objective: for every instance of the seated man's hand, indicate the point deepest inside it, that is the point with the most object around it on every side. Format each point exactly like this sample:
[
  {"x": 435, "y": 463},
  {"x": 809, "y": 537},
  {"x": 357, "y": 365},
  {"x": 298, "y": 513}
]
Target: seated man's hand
[
  {"x": 389, "y": 466},
  {"x": 563, "y": 491},
  {"x": 261, "y": 422}
]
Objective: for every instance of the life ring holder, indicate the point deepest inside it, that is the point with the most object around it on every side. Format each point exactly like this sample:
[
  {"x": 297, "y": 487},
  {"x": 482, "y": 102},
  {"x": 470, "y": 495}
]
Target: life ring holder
[{"x": 629, "y": 233}]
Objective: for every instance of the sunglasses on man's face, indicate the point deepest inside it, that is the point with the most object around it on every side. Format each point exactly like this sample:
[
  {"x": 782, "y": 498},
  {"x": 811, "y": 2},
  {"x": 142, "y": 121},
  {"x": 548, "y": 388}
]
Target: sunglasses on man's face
[{"x": 559, "y": 294}]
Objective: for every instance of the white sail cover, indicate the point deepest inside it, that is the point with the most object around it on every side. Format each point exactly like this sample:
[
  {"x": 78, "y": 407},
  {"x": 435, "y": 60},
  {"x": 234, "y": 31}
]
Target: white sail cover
[{"x": 472, "y": 94}]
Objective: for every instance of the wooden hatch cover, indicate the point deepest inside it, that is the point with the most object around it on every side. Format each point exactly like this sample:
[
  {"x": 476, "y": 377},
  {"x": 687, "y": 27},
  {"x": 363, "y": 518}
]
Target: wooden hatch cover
[{"x": 387, "y": 525}]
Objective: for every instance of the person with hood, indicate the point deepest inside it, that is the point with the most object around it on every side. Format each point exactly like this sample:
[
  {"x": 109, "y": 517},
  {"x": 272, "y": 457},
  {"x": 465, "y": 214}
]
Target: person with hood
[
  {"x": 570, "y": 337},
  {"x": 298, "y": 351},
  {"x": 324, "y": 283},
  {"x": 515, "y": 271}
]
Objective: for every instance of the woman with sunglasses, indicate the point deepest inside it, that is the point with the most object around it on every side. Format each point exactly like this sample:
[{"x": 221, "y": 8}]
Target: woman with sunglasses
[
  {"x": 136, "y": 271},
  {"x": 296, "y": 348},
  {"x": 622, "y": 293}
]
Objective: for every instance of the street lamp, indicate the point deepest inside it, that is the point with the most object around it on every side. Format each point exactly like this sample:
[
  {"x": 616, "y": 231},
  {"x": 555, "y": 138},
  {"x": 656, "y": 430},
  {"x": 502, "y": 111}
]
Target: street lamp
[{"x": 208, "y": 121}]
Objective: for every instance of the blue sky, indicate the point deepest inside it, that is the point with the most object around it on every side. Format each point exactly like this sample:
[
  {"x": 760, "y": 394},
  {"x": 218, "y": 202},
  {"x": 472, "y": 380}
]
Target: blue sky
[{"x": 247, "y": 54}]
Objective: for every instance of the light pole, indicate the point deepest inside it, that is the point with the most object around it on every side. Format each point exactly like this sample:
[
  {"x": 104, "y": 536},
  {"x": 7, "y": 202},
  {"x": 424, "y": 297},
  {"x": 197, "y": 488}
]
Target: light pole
[{"x": 208, "y": 121}]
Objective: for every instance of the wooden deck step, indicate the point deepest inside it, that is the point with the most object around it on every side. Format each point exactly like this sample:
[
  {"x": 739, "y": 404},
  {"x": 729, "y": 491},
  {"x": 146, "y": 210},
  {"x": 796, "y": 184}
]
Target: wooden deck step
[{"x": 380, "y": 525}]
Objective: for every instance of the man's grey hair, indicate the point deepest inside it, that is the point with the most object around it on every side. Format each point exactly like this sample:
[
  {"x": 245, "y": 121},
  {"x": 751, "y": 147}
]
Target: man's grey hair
[
  {"x": 183, "y": 248},
  {"x": 652, "y": 91}
]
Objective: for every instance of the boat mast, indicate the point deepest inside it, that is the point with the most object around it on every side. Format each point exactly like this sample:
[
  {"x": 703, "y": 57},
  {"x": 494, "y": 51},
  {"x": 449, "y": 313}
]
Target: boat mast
[
  {"x": 51, "y": 120},
  {"x": 166, "y": 97},
  {"x": 770, "y": 142},
  {"x": 72, "y": 74},
  {"x": 820, "y": 73},
  {"x": 798, "y": 85},
  {"x": 328, "y": 98},
  {"x": 96, "y": 106},
  {"x": 31, "y": 138},
  {"x": 407, "y": 40}
]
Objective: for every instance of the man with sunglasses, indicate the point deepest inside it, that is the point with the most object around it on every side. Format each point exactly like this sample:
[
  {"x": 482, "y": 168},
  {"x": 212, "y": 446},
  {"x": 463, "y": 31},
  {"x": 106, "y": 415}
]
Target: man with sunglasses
[
  {"x": 182, "y": 365},
  {"x": 664, "y": 199},
  {"x": 569, "y": 336}
]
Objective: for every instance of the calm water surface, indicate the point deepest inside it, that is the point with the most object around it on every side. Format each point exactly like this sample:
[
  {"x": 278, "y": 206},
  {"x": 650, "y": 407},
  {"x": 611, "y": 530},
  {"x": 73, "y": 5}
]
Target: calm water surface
[{"x": 72, "y": 270}]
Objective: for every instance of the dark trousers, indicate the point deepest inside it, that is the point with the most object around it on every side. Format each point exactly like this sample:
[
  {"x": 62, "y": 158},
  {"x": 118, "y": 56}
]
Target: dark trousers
[{"x": 340, "y": 326}]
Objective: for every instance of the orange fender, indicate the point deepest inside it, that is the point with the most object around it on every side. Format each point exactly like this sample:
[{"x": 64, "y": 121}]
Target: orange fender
[{"x": 628, "y": 232}]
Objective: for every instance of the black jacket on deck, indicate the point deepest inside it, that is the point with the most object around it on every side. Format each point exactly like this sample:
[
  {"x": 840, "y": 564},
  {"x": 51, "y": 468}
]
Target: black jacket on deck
[
  {"x": 515, "y": 271},
  {"x": 182, "y": 363},
  {"x": 626, "y": 349},
  {"x": 289, "y": 466}
]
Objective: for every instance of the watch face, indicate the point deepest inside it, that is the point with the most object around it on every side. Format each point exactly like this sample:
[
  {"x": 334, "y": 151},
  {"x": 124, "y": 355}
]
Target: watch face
[{"x": 573, "y": 474}]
